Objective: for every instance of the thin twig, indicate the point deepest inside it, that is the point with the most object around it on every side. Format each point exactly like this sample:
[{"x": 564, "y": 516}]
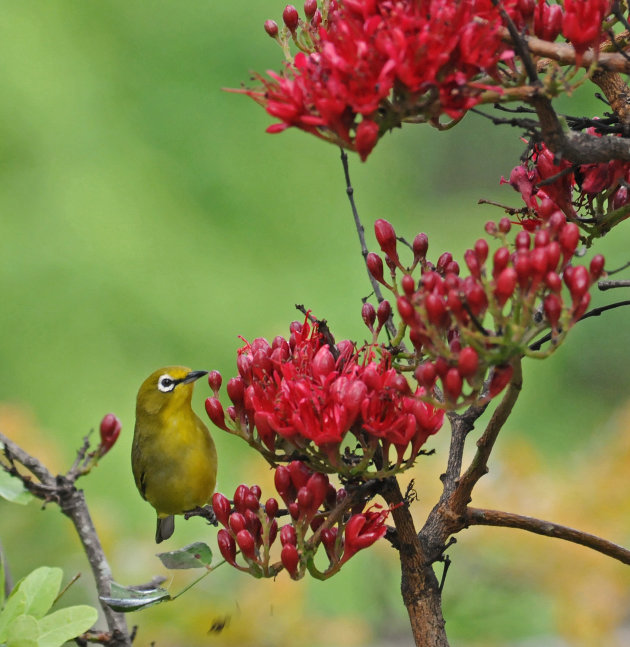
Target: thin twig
[
  {"x": 361, "y": 232},
  {"x": 608, "y": 285},
  {"x": 479, "y": 465},
  {"x": 481, "y": 517},
  {"x": 595, "y": 312},
  {"x": 61, "y": 490}
]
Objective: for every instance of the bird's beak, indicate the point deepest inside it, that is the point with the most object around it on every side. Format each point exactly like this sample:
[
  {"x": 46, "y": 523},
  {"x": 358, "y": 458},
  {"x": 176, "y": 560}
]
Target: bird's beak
[{"x": 192, "y": 376}]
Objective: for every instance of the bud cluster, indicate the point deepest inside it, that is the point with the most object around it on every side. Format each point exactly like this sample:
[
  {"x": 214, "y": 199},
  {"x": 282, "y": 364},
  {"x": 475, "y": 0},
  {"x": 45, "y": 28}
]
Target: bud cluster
[
  {"x": 462, "y": 327},
  {"x": 595, "y": 196},
  {"x": 342, "y": 409},
  {"x": 302, "y": 32},
  {"x": 318, "y": 515}
]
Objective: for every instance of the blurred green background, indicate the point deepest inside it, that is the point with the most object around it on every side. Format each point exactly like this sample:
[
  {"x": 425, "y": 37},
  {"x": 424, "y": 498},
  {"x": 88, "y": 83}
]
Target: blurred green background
[{"x": 147, "y": 219}]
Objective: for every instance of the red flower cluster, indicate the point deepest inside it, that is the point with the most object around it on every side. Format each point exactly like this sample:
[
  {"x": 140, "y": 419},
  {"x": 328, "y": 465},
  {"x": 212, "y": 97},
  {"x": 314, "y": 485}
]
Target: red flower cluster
[
  {"x": 427, "y": 56},
  {"x": 252, "y": 527},
  {"x": 368, "y": 65},
  {"x": 311, "y": 395},
  {"x": 548, "y": 185},
  {"x": 462, "y": 326}
]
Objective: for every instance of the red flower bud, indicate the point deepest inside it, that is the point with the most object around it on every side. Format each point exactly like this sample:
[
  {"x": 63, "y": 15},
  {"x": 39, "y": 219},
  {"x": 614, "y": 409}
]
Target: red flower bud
[
  {"x": 318, "y": 486},
  {"x": 426, "y": 375},
  {"x": 468, "y": 362},
  {"x": 221, "y": 507},
  {"x": 490, "y": 228},
  {"x": 420, "y": 247},
  {"x": 541, "y": 238},
  {"x": 596, "y": 267},
  {"x": 246, "y": 543},
  {"x": 522, "y": 241},
  {"x": 578, "y": 281},
  {"x": 323, "y": 363},
  {"x": 290, "y": 559},
  {"x": 481, "y": 250},
  {"x": 554, "y": 252},
  {"x": 473, "y": 263},
  {"x": 240, "y": 495},
  {"x": 369, "y": 315},
  {"x": 284, "y": 485},
  {"x": 408, "y": 284},
  {"x": 383, "y": 313},
  {"x": 500, "y": 260},
  {"x": 476, "y": 298},
  {"x": 215, "y": 380},
  {"x": 569, "y": 238},
  {"x": 299, "y": 474},
  {"x": 235, "y": 390},
  {"x": 375, "y": 266},
  {"x": 406, "y": 311},
  {"x": 329, "y": 538},
  {"x": 237, "y": 522},
  {"x": 288, "y": 535},
  {"x": 553, "y": 281},
  {"x": 436, "y": 310},
  {"x": 505, "y": 225},
  {"x": 271, "y": 507},
  {"x": 244, "y": 365},
  {"x": 227, "y": 546},
  {"x": 273, "y": 531},
  {"x": 109, "y": 430},
  {"x": 305, "y": 502},
  {"x": 443, "y": 262},
  {"x": 452, "y": 384},
  {"x": 552, "y": 306},
  {"x": 386, "y": 238},
  {"x": 290, "y": 17},
  {"x": 547, "y": 21},
  {"x": 310, "y": 7},
  {"x": 271, "y": 27},
  {"x": 214, "y": 409},
  {"x": 581, "y": 307},
  {"x": 505, "y": 284}
]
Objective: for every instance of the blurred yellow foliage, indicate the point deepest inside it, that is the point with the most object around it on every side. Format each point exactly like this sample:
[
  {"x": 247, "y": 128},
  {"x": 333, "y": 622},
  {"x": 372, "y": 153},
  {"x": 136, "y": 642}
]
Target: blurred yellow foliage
[{"x": 589, "y": 593}]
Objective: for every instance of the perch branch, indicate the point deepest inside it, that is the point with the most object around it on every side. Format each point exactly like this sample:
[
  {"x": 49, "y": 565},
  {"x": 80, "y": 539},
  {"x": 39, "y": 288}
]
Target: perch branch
[
  {"x": 481, "y": 517},
  {"x": 61, "y": 490}
]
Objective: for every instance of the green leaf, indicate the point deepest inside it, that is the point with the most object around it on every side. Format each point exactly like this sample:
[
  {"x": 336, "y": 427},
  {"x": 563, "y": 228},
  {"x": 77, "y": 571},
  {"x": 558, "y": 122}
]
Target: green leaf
[
  {"x": 39, "y": 589},
  {"x": 55, "y": 629},
  {"x": 197, "y": 555},
  {"x": 12, "y": 489},
  {"x": 15, "y": 606},
  {"x": 23, "y": 632},
  {"x": 128, "y": 598}
]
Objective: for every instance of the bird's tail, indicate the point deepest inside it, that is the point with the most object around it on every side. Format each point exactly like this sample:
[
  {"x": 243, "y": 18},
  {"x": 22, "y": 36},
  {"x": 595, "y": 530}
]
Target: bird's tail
[{"x": 165, "y": 528}]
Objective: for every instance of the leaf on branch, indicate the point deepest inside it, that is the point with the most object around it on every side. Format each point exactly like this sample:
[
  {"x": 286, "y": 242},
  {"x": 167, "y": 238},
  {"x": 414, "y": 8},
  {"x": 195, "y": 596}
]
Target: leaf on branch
[
  {"x": 12, "y": 489},
  {"x": 128, "y": 598},
  {"x": 197, "y": 555},
  {"x": 59, "y": 627}
]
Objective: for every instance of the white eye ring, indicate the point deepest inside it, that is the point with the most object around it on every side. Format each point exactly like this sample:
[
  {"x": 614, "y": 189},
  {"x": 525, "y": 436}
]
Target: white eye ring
[{"x": 166, "y": 383}]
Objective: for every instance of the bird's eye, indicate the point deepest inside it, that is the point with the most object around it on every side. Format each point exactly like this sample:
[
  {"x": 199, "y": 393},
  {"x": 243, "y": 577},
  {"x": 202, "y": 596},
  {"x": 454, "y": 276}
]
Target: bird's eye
[{"x": 166, "y": 383}]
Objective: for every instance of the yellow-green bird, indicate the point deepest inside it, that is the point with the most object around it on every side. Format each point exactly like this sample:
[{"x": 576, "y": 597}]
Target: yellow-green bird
[{"x": 173, "y": 456}]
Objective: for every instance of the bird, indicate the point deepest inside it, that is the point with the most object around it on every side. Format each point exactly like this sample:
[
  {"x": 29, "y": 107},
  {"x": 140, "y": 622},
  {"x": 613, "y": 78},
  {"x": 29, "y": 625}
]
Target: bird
[{"x": 173, "y": 456}]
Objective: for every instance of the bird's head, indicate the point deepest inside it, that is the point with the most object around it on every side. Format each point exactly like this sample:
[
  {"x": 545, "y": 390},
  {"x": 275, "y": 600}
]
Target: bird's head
[{"x": 171, "y": 386}]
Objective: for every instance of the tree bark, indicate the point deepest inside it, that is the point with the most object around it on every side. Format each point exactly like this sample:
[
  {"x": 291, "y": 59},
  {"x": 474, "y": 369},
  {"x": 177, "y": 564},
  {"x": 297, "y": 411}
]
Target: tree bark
[{"x": 419, "y": 585}]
